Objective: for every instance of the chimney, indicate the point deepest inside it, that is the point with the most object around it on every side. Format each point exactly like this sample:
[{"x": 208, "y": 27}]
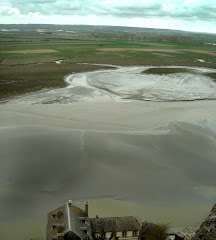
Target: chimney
[
  {"x": 70, "y": 203},
  {"x": 86, "y": 208},
  {"x": 139, "y": 220}
]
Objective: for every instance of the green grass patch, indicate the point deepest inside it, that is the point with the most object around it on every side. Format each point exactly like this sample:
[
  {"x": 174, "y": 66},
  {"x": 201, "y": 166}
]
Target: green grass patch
[
  {"x": 211, "y": 75},
  {"x": 161, "y": 71},
  {"x": 21, "y": 79}
]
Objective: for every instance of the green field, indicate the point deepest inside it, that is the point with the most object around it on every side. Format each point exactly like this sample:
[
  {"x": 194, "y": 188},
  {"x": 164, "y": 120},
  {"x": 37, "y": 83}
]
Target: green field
[
  {"x": 27, "y": 57},
  {"x": 165, "y": 71}
]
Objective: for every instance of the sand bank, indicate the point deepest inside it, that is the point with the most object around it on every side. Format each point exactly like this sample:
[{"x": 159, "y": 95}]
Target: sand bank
[{"x": 105, "y": 116}]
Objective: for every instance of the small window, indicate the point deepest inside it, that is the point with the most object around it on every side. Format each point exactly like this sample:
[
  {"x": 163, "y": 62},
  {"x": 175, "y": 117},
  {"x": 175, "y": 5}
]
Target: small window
[
  {"x": 134, "y": 233},
  {"x": 54, "y": 214},
  {"x": 54, "y": 225},
  {"x": 59, "y": 213},
  {"x": 124, "y": 234}
]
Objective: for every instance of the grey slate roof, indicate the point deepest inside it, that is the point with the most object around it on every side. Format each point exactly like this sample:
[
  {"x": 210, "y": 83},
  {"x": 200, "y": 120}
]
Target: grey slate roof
[
  {"x": 146, "y": 226},
  {"x": 73, "y": 219},
  {"x": 79, "y": 222},
  {"x": 114, "y": 224}
]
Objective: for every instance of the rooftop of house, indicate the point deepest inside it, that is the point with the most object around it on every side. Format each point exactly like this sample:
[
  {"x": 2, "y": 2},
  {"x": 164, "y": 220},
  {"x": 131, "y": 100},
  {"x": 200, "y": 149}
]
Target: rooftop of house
[
  {"x": 68, "y": 219},
  {"x": 147, "y": 226},
  {"x": 78, "y": 221},
  {"x": 115, "y": 224}
]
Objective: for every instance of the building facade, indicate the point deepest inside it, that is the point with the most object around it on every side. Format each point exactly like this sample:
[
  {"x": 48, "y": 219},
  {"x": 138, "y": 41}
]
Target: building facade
[
  {"x": 69, "y": 222},
  {"x": 116, "y": 227}
]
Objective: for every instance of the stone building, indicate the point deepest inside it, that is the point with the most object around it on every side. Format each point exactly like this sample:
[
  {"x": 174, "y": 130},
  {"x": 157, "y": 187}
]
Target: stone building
[
  {"x": 116, "y": 227},
  {"x": 69, "y": 222}
]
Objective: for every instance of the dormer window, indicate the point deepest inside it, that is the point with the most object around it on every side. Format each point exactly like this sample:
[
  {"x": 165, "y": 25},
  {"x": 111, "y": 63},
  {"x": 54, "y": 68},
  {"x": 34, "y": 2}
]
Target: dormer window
[
  {"x": 54, "y": 225},
  {"x": 83, "y": 219},
  {"x": 84, "y": 229},
  {"x": 59, "y": 213},
  {"x": 54, "y": 214}
]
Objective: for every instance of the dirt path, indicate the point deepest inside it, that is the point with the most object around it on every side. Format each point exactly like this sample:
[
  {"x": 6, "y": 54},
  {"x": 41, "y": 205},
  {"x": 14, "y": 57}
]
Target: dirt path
[
  {"x": 158, "y": 50},
  {"x": 162, "y": 54}
]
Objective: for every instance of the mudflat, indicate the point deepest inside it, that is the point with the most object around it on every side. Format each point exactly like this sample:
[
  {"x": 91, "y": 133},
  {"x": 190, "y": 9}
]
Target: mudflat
[{"x": 145, "y": 154}]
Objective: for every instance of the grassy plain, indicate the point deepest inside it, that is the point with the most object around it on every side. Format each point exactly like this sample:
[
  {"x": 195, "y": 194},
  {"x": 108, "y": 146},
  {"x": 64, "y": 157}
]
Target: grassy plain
[
  {"x": 164, "y": 70},
  {"x": 27, "y": 58}
]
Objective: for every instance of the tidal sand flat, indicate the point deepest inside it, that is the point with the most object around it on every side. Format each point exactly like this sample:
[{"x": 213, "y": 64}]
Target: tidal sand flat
[
  {"x": 131, "y": 83},
  {"x": 95, "y": 140}
]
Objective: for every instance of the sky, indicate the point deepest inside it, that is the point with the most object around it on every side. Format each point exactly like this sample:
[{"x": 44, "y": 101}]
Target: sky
[{"x": 189, "y": 15}]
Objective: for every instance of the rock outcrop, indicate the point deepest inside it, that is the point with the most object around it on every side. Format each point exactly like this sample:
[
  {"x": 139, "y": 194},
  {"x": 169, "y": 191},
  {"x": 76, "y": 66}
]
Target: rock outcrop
[
  {"x": 186, "y": 234},
  {"x": 207, "y": 230}
]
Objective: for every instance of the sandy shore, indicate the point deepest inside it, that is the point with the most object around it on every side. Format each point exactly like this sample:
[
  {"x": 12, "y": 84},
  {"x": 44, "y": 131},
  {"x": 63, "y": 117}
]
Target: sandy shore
[
  {"x": 152, "y": 159},
  {"x": 106, "y": 116}
]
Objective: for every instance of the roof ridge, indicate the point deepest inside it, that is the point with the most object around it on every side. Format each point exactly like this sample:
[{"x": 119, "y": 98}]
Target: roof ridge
[{"x": 113, "y": 217}]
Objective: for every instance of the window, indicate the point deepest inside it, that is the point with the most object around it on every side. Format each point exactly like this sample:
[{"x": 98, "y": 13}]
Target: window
[
  {"x": 134, "y": 233},
  {"x": 124, "y": 234}
]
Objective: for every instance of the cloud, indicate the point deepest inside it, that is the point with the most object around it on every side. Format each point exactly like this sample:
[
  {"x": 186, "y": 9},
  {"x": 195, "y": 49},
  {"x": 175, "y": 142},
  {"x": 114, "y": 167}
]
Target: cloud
[
  {"x": 189, "y": 15},
  {"x": 190, "y": 9},
  {"x": 5, "y": 11}
]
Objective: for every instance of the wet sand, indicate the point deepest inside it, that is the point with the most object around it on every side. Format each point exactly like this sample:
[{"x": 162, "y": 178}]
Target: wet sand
[
  {"x": 106, "y": 116},
  {"x": 129, "y": 83},
  {"x": 152, "y": 159},
  {"x": 166, "y": 150}
]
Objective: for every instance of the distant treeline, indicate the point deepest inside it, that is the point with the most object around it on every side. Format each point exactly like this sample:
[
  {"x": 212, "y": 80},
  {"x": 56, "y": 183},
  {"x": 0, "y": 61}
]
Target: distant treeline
[
  {"x": 85, "y": 28},
  {"x": 123, "y": 33}
]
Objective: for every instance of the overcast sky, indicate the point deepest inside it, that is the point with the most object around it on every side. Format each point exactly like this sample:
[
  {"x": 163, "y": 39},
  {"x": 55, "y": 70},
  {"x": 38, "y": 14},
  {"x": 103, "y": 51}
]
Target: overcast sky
[{"x": 191, "y": 15}]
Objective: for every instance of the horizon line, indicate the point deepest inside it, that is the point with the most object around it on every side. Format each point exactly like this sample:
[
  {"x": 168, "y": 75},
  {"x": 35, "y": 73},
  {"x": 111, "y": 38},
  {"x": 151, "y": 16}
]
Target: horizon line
[{"x": 64, "y": 24}]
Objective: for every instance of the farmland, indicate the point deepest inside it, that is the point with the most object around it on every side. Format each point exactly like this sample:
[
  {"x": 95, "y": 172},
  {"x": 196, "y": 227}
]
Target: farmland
[{"x": 38, "y": 57}]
